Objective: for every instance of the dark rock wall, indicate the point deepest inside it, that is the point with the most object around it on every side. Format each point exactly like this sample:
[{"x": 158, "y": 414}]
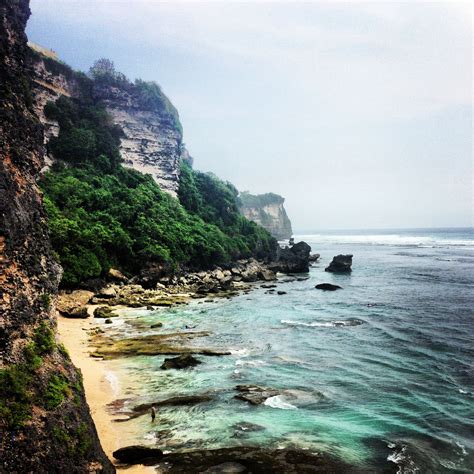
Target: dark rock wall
[{"x": 60, "y": 439}]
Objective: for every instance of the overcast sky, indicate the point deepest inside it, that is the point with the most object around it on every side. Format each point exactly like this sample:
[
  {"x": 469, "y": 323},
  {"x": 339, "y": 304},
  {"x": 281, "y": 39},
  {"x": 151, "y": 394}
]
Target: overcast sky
[{"x": 359, "y": 114}]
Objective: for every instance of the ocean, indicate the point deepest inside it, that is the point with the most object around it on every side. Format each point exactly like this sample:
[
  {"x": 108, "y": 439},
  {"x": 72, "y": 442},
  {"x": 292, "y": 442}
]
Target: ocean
[{"x": 379, "y": 373}]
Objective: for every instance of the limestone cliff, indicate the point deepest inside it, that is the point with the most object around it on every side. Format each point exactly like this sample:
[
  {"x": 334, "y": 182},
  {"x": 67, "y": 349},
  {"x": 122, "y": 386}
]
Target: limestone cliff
[
  {"x": 151, "y": 141},
  {"x": 45, "y": 424},
  {"x": 268, "y": 211}
]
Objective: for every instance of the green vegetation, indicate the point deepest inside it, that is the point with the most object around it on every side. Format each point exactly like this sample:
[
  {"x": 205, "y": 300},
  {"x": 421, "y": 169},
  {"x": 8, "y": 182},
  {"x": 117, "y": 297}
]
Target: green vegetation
[
  {"x": 56, "y": 391},
  {"x": 15, "y": 395},
  {"x": 216, "y": 202},
  {"x": 101, "y": 214},
  {"x": 19, "y": 387},
  {"x": 260, "y": 200}
]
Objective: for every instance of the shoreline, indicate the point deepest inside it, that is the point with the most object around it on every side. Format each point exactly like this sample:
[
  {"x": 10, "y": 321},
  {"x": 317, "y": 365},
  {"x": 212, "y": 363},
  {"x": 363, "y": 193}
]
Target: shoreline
[{"x": 98, "y": 386}]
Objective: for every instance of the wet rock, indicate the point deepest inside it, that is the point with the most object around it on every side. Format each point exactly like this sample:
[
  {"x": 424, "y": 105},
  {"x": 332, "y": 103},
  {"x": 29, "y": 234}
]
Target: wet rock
[
  {"x": 104, "y": 312},
  {"x": 254, "y": 394},
  {"x": 253, "y": 459},
  {"x": 328, "y": 287},
  {"x": 340, "y": 264},
  {"x": 138, "y": 455},
  {"x": 248, "y": 427},
  {"x": 281, "y": 292},
  {"x": 314, "y": 257},
  {"x": 108, "y": 321},
  {"x": 267, "y": 275},
  {"x": 174, "y": 401},
  {"x": 181, "y": 362},
  {"x": 293, "y": 259},
  {"x": 156, "y": 325},
  {"x": 268, "y": 286},
  {"x": 154, "y": 344}
]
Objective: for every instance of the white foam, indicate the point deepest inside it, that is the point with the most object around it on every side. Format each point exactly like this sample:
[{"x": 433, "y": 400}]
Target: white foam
[
  {"x": 315, "y": 324},
  {"x": 113, "y": 381},
  {"x": 250, "y": 363},
  {"x": 388, "y": 239},
  {"x": 311, "y": 325},
  {"x": 278, "y": 402},
  {"x": 240, "y": 352}
]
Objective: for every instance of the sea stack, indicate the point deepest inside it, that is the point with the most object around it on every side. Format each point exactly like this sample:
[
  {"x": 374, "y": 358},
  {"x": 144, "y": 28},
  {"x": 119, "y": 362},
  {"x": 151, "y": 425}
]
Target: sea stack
[{"x": 340, "y": 264}]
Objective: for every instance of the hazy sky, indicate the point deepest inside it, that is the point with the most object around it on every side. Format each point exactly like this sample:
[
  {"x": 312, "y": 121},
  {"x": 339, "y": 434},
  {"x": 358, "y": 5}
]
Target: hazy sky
[{"x": 359, "y": 114}]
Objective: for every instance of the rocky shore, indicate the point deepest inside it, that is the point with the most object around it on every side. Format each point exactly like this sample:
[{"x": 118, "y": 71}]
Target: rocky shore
[{"x": 154, "y": 290}]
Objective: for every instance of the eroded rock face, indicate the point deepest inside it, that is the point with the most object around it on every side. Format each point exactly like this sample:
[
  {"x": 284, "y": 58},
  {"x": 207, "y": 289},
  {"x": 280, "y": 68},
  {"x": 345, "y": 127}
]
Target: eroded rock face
[
  {"x": 151, "y": 141},
  {"x": 30, "y": 428},
  {"x": 268, "y": 211}
]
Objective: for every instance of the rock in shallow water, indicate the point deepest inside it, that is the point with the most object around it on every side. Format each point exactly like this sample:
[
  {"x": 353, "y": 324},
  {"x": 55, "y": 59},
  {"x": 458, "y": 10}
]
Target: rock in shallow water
[
  {"x": 181, "y": 362},
  {"x": 251, "y": 460},
  {"x": 254, "y": 394},
  {"x": 340, "y": 264},
  {"x": 328, "y": 287}
]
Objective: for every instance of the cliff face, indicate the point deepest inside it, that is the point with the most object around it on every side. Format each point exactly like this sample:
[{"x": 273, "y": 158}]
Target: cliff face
[
  {"x": 152, "y": 137},
  {"x": 45, "y": 424},
  {"x": 268, "y": 211},
  {"x": 152, "y": 140}
]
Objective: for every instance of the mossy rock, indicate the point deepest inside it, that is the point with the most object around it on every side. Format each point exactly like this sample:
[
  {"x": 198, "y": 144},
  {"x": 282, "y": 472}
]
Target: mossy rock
[{"x": 104, "y": 312}]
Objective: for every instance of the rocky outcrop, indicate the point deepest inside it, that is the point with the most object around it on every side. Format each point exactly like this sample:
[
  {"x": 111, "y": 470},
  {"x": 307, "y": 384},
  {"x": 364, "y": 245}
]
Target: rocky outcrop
[
  {"x": 268, "y": 211},
  {"x": 184, "y": 361},
  {"x": 250, "y": 459},
  {"x": 293, "y": 259},
  {"x": 254, "y": 394},
  {"x": 39, "y": 432},
  {"x": 340, "y": 264}
]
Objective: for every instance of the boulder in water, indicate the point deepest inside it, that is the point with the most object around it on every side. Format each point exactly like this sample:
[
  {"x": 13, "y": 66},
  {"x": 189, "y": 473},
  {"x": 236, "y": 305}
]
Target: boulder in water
[
  {"x": 293, "y": 259},
  {"x": 181, "y": 362},
  {"x": 328, "y": 287},
  {"x": 340, "y": 264},
  {"x": 254, "y": 394}
]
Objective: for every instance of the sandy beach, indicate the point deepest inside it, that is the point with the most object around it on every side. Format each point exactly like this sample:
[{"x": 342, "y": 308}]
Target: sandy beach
[{"x": 99, "y": 386}]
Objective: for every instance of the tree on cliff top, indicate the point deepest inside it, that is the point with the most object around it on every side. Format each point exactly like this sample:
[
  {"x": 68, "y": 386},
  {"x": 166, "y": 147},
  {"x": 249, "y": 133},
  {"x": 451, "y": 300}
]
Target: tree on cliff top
[{"x": 103, "y": 70}]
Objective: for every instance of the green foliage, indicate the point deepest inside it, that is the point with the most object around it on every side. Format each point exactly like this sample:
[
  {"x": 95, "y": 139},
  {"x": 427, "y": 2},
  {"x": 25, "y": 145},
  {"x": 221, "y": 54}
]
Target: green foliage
[
  {"x": 101, "y": 214},
  {"x": 104, "y": 73},
  {"x": 45, "y": 300},
  {"x": 86, "y": 135},
  {"x": 56, "y": 392},
  {"x": 150, "y": 96},
  {"x": 216, "y": 202},
  {"x": 260, "y": 200},
  {"x": 15, "y": 396},
  {"x": 44, "y": 339}
]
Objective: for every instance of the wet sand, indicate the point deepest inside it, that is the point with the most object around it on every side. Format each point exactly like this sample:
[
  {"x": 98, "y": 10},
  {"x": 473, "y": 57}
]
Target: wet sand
[{"x": 100, "y": 386}]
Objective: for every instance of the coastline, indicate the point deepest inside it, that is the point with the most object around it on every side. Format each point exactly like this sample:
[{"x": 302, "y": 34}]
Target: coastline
[{"x": 98, "y": 386}]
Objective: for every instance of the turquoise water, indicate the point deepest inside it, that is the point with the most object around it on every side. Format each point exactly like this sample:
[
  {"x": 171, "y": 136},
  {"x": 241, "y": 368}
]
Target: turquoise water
[{"x": 379, "y": 373}]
